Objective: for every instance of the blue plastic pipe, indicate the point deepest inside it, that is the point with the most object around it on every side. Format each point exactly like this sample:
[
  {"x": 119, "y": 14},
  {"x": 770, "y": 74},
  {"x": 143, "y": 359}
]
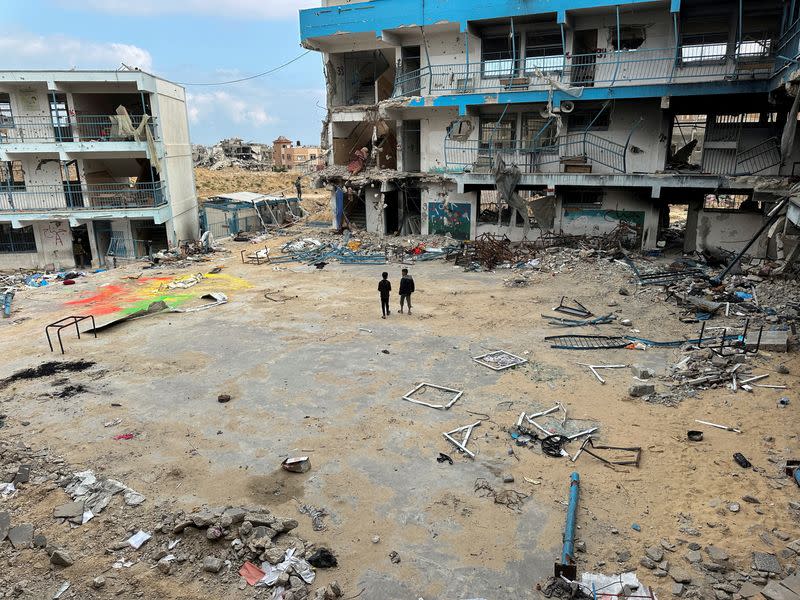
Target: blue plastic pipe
[{"x": 568, "y": 551}]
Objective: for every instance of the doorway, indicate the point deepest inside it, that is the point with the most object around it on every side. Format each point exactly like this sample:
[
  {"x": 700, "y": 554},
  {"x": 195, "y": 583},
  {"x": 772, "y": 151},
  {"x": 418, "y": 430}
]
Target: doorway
[
  {"x": 411, "y": 146},
  {"x": 59, "y": 114},
  {"x": 71, "y": 181},
  {"x": 584, "y": 57},
  {"x": 391, "y": 214},
  {"x": 81, "y": 247},
  {"x": 410, "y": 64}
]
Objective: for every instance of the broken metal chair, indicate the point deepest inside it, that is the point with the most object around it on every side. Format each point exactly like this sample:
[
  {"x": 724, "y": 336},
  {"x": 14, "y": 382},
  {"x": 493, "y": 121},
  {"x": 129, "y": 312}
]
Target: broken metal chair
[
  {"x": 626, "y": 460},
  {"x": 576, "y": 311},
  {"x": 255, "y": 258},
  {"x": 68, "y": 322}
]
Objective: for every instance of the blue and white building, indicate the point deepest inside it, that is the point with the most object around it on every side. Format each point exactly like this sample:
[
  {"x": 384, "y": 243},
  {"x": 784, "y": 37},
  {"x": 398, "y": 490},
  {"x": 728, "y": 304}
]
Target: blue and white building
[
  {"x": 101, "y": 158},
  {"x": 612, "y": 110}
]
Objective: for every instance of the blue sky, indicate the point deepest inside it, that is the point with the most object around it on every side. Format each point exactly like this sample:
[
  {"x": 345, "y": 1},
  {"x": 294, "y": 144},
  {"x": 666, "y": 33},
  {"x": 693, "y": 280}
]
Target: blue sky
[{"x": 184, "y": 41}]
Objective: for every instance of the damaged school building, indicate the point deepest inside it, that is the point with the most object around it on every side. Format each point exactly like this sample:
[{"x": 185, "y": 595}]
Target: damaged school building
[
  {"x": 612, "y": 112},
  {"x": 93, "y": 165}
]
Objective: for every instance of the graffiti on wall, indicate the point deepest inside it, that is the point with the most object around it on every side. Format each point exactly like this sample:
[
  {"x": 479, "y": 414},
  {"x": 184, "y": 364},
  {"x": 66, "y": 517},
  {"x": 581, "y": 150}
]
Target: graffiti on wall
[
  {"x": 452, "y": 218},
  {"x": 56, "y": 232}
]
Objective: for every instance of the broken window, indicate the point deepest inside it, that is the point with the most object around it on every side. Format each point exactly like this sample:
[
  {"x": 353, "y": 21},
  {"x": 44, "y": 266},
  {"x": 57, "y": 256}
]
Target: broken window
[
  {"x": 543, "y": 51},
  {"x": 582, "y": 197},
  {"x": 705, "y": 47},
  {"x": 497, "y": 55},
  {"x": 6, "y": 116},
  {"x": 12, "y": 175},
  {"x": 737, "y": 202},
  {"x": 16, "y": 240},
  {"x": 589, "y": 118},
  {"x": 489, "y": 203},
  {"x": 630, "y": 37},
  {"x": 498, "y": 134},
  {"x": 538, "y": 131}
]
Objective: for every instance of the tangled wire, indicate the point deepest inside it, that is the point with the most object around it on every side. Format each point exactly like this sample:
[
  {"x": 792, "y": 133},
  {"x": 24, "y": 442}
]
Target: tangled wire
[{"x": 508, "y": 498}]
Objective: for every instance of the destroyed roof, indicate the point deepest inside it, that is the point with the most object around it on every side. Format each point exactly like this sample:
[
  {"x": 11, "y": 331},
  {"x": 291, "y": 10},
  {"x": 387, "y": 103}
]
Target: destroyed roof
[
  {"x": 248, "y": 198},
  {"x": 282, "y": 139}
]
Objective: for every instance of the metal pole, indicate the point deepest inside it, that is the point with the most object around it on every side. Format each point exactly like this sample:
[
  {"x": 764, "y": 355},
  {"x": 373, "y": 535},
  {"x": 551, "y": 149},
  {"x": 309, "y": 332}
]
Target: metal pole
[
  {"x": 619, "y": 48},
  {"x": 54, "y": 115},
  {"x": 466, "y": 49},
  {"x": 567, "y": 566},
  {"x": 513, "y": 50}
]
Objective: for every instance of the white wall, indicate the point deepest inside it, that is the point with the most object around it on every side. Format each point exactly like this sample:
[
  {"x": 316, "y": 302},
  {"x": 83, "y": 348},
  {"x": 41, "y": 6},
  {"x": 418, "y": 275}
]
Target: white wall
[{"x": 729, "y": 230}]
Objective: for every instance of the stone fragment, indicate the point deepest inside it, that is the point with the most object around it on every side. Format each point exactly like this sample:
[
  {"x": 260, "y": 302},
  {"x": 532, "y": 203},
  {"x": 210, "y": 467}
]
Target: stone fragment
[
  {"x": 793, "y": 546},
  {"x": 660, "y": 573},
  {"x": 749, "y": 589},
  {"x": 680, "y": 575},
  {"x": 334, "y": 587},
  {"x": 287, "y": 525},
  {"x": 751, "y": 499},
  {"x": 23, "y": 475},
  {"x": 212, "y": 564},
  {"x": 21, "y": 536},
  {"x": 667, "y": 545},
  {"x": 624, "y": 292},
  {"x": 694, "y": 556},
  {"x": 637, "y": 390},
  {"x": 232, "y": 516},
  {"x": 296, "y": 583},
  {"x": 580, "y": 546},
  {"x": 508, "y": 478},
  {"x": 98, "y": 582},
  {"x": 717, "y": 554},
  {"x": 623, "y": 556},
  {"x": 61, "y": 558},
  {"x": 647, "y": 563},
  {"x": 283, "y": 579},
  {"x": 677, "y": 589},
  {"x": 260, "y": 518},
  {"x": 781, "y": 535},
  {"x": 273, "y": 555},
  {"x": 694, "y": 546},
  {"x": 766, "y": 562},
  {"x": 214, "y": 532},
  {"x": 654, "y": 553},
  {"x": 775, "y": 591},
  {"x": 246, "y": 528},
  {"x": 165, "y": 566},
  {"x": 70, "y": 510},
  {"x": 643, "y": 372},
  {"x": 734, "y": 507},
  {"x": 202, "y": 519},
  {"x": 39, "y": 541}
]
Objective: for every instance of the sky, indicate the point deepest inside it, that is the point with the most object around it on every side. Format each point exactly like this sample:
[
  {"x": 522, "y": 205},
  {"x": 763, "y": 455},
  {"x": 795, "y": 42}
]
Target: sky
[{"x": 185, "y": 41}]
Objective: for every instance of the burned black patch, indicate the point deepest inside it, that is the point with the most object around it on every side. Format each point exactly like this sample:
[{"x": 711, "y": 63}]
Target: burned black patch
[
  {"x": 71, "y": 390},
  {"x": 47, "y": 369}
]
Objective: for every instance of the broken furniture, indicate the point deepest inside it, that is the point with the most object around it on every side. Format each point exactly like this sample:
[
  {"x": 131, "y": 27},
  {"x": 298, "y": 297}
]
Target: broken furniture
[
  {"x": 421, "y": 389},
  {"x": 577, "y": 311},
  {"x": 564, "y": 322},
  {"x": 586, "y": 342},
  {"x": 255, "y": 258},
  {"x": 596, "y": 374},
  {"x": 499, "y": 360},
  {"x": 462, "y": 446},
  {"x": 738, "y": 343},
  {"x": 67, "y": 322},
  {"x": 663, "y": 277},
  {"x": 625, "y": 460}
]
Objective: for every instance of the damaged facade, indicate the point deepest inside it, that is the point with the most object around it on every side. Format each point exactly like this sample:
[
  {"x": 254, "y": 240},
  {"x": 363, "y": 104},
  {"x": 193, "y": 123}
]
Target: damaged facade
[
  {"x": 612, "y": 114},
  {"x": 233, "y": 152},
  {"x": 93, "y": 164}
]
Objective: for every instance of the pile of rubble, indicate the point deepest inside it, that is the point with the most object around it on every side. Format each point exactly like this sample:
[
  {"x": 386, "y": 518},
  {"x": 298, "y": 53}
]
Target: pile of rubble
[
  {"x": 238, "y": 546},
  {"x": 233, "y": 152}
]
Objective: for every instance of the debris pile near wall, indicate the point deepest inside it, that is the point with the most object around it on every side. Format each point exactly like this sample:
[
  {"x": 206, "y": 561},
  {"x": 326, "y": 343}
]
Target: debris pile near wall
[{"x": 233, "y": 152}]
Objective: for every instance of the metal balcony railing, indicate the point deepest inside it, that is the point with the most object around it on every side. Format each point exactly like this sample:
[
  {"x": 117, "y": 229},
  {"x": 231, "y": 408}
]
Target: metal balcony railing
[
  {"x": 602, "y": 69},
  {"x": 75, "y": 128},
  {"x": 475, "y": 157},
  {"x": 78, "y": 197}
]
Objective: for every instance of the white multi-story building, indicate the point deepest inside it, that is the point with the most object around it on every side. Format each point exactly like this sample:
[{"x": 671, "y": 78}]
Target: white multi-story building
[
  {"x": 613, "y": 112},
  {"x": 93, "y": 164}
]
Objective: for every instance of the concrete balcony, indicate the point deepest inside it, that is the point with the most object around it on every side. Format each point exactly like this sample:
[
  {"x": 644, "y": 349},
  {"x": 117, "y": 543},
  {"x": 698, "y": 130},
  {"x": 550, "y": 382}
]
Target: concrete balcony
[
  {"x": 79, "y": 198},
  {"x": 76, "y": 129},
  {"x": 582, "y": 72}
]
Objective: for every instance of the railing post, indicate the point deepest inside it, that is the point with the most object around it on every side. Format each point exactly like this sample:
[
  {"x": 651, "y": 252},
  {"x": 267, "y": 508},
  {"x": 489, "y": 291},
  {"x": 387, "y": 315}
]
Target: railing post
[{"x": 619, "y": 49}]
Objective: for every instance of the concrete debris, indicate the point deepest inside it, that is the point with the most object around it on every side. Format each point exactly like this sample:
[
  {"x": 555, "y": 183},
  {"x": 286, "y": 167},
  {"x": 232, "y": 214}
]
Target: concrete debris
[{"x": 233, "y": 152}]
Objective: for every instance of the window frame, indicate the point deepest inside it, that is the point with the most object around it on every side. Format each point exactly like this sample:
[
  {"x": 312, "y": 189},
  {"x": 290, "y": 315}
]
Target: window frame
[
  {"x": 490, "y": 123},
  {"x": 528, "y": 134},
  {"x": 10, "y": 245},
  {"x": 702, "y": 58}
]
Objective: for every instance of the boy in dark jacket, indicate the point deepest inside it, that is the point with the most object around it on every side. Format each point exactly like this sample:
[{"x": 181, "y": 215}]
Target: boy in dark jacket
[
  {"x": 406, "y": 289},
  {"x": 384, "y": 287}
]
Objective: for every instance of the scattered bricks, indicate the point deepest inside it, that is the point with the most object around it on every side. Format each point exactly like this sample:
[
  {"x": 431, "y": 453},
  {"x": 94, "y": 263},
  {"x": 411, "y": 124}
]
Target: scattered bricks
[
  {"x": 643, "y": 372},
  {"x": 212, "y": 564},
  {"x": 21, "y": 536},
  {"x": 637, "y": 390},
  {"x": 61, "y": 558},
  {"x": 654, "y": 553},
  {"x": 766, "y": 562},
  {"x": 771, "y": 341}
]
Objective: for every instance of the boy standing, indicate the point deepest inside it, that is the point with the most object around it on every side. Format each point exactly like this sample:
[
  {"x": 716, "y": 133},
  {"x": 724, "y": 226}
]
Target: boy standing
[
  {"x": 384, "y": 287},
  {"x": 406, "y": 289}
]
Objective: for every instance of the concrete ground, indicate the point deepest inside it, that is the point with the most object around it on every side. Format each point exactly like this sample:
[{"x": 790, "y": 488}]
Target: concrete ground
[{"x": 306, "y": 378}]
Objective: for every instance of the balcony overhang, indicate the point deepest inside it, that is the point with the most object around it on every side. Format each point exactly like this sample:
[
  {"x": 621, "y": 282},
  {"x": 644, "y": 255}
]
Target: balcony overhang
[
  {"x": 19, "y": 219},
  {"x": 317, "y": 24},
  {"x": 655, "y": 181},
  {"x": 66, "y": 150},
  {"x": 462, "y": 101}
]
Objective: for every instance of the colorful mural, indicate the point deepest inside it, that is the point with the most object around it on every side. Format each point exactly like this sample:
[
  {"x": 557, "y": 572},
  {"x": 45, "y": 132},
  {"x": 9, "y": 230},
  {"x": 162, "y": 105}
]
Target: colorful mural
[
  {"x": 127, "y": 298},
  {"x": 453, "y": 218}
]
